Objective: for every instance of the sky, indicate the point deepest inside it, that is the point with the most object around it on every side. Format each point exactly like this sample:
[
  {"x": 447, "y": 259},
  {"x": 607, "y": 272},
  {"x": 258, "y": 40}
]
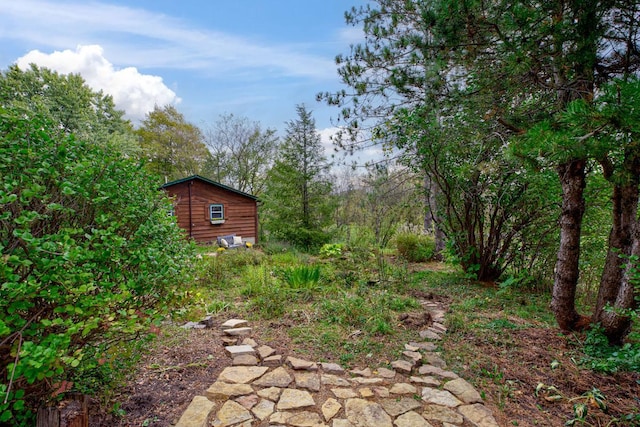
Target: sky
[{"x": 253, "y": 58}]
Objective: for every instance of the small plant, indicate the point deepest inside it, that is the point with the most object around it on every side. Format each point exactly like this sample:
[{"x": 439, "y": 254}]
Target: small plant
[
  {"x": 331, "y": 250},
  {"x": 590, "y": 399}
]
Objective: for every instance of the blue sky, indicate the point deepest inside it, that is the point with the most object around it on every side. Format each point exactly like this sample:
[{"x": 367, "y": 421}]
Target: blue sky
[{"x": 253, "y": 58}]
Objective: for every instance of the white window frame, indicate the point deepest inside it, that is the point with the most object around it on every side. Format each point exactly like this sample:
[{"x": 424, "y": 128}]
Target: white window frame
[{"x": 216, "y": 213}]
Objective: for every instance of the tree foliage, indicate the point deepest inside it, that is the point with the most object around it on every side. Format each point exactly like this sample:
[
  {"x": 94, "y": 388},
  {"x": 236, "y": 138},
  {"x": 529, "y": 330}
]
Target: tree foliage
[
  {"x": 296, "y": 205},
  {"x": 89, "y": 256}
]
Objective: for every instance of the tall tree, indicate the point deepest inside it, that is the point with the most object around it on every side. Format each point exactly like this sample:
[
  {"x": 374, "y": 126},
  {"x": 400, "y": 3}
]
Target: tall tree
[
  {"x": 296, "y": 200},
  {"x": 242, "y": 153},
  {"x": 173, "y": 147}
]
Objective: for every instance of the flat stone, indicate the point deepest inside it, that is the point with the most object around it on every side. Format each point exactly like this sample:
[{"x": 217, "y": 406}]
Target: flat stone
[
  {"x": 242, "y": 374},
  {"x": 403, "y": 388},
  {"x": 428, "y": 334},
  {"x": 367, "y": 381},
  {"x": 308, "y": 380},
  {"x": 301, "y": 364},
  {"x": 294, "y": 399},
  {"x": 411, "y": 419},
  {"x": 439, "y": 327},
  {"x": 220, "y": 390},
  {"x": 279, "y": 377},
  {"x": 305, "y": 419},
  {"x": 330, "y": 408},
  {"x": 207, "y": 322},
  {"x": 340, "y": 422},
  {"x": 426, "y": 346},
  {"x": 410, "y": 347},
  {"x": 381, "y": 391},
  {"x": 463, "y": 391},
  {"x": 190, "y": 325},
  {"x": 479, "y": 415},
  {"x": 236, "y": 332},
  {"x": 395, "y": 407},
  {"x": 442, "y": 414},
  {"x": 245, "y": 360},
  {"x": 365, "y": 392},
  {"x": 229, "y": 340},
  {"x": 412, "y": 356},
  {"x": 363, "y": 413},
  {"x": 439, "y": 372},
  {"x": 386, "y": 373},
  {"x": 239, "y": 350},
  {"x": 402, "y": 366},
  {"x": 197, "y": 413},
  {"x": 361, "y": 372},
  {"x": 344, "y": 393},
  {"x": 430, "y": 381},
  {"x": 271, "y": 393},
  {"x": 440, "y": 397},
  {"x": 263, "y": 409},
  {"x": 334, "y": 380},
  {"x": 233, "y": 323},
  {"x": 332, "y": 368},
  {"x": 279, "y": 417},
  {"x": 250, "y": 342},
  {"x": 275, "y": 360},
  {"x": 265, "y": 351},
  {"x": 435, "y": 360},
  {"x": 248, "y": 401},
  {"x": 231, "y": 413}
]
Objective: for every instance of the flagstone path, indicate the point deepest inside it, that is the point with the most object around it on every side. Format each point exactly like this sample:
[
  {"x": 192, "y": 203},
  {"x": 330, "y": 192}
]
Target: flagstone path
[{"x": 262, "y": 388}]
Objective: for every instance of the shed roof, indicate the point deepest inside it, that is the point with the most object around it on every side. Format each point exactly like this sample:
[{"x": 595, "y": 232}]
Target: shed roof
[{"x": 208, "y": 181}]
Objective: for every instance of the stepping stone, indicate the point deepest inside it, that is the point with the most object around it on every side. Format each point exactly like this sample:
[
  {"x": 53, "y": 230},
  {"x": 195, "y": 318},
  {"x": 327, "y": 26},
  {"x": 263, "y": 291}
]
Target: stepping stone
[
  {"x": 294, "y": 399},
  {"x": 245, "y": 360},
  {"x": 429, "y": 335},
  {"x": 463, "y": 391},
  {"x": 248, "y": 401},
  {"x": 365, "y": 392},
  {"x": 479, "y": 415},
  {"x": 363, "y": 413},
  {"x": 197, "y": 413},
  {"x": 386, "y": 373},
  {"x": 402, "y": 366},
  {"x": 242, "y": 374},
  {"x": 439, "y": 372},
  {"x": 328, "y": 379},
  {"x": 265, "y": 351},
  {"x": 220, "y": 390},
  {"x": 411, "y": 419},
  {"x": 361, "y": 372},
  {"x": 440, "y": 397},
  {"x": 403, "y": 388},
  {"x": 412, "y": 356},
  {"x": 263, "y": 409},
  {"x": 330, "y": 408},
  {"x": 229, "y": 340},
  {"x": 275, "y": 360},
  {"x": 231, "y": 413},
  {"x": 443, "y": 414},
  {"x": 234, "y": 323},
  {"x": 305, "y": 419},
  {"x": 435, "y": 360},
  {"x": 207, "y": 322},
  {"x": 301, "y": 364},
  {"x": 341, "y": 422},
  {"x": 279, "y": 377},
  {"x": 250, "y": 342},
  {"x": 426, "y": 346},
  {"x": 344, "y": 393},
  {"x": 237, "y": 350},
  {"x": 279, "y": 418},
  {"x": 238, "y": 331},
  {"x": 410, "y": 347},
  {"x": 332, "y": 368},
  {"x": 308, "y": 380},
  {"x": 381, "y": 391},
  {"x": 439, "y": 328},
  {"x": 271, "y": 393},
  {"x": 367, "y": 381},
  {"x": 395, "y": 407},
  {"x": 430, "y": 381}
]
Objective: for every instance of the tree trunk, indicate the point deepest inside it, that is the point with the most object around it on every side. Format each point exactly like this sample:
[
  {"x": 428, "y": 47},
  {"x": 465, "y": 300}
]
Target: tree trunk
[
  {"x": 572, "y": 179},
  {"x": 431, "y": 220}
]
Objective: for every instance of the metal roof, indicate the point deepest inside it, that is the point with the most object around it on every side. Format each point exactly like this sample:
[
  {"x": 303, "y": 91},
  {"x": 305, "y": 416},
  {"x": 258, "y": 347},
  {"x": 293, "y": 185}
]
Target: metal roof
[{"x": 208, "y": 181}]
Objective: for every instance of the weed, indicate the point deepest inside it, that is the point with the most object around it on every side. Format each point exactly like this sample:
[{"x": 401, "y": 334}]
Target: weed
[{"x": 600, "y": 356}]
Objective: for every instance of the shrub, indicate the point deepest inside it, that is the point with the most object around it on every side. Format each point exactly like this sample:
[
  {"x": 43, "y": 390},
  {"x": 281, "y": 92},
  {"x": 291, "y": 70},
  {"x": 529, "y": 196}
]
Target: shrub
[
  {"x": 89, "y": 258},
  {"x": 415, "y": 247}
]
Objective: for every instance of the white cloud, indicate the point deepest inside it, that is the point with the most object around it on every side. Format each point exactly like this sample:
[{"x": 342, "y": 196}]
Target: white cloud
[
  {"x": 133, "y": 92},
  {"x": 362, "y": 153}
]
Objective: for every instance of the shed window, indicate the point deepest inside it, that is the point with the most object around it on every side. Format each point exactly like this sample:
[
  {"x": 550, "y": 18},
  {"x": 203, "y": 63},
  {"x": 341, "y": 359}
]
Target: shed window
[{"x": 216, "y": 213}]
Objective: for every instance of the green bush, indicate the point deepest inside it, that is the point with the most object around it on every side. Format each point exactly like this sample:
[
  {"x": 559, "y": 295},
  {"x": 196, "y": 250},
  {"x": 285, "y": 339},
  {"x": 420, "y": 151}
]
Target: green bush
[
  {"x": 415, "y": 247},
  {"x": 600, "y": 356},
  {"x": 89, "y": 258}
]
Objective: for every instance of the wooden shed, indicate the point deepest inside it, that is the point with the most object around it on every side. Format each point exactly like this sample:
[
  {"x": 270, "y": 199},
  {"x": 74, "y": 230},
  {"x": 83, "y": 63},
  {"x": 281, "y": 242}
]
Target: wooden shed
[{"x": 206, "y": 209}]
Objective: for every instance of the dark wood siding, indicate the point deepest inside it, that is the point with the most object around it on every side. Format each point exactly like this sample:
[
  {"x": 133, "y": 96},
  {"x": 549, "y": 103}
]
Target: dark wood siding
[{"x": 240, "y": 212}]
